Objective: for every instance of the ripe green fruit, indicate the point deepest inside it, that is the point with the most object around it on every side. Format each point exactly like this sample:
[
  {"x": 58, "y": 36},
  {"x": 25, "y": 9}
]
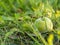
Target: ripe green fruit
[{"x": 44, "y": 24}]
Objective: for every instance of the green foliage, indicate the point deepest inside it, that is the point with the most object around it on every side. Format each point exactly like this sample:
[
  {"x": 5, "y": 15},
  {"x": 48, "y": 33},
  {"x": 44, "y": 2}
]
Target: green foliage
[{"x": 17, "y": 18}]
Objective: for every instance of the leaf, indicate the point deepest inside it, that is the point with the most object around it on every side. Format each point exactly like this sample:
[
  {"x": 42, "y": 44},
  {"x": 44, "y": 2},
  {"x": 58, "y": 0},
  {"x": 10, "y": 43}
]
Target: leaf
[
  {"x": 17, "y": 16},
  {"x": 36, "y": 41},
  {"x": 50, "y": 39},
  {"x": 7, "y": 18},
  {"x": 10, "y": 33},
  {"x": 2, "y": 43}
]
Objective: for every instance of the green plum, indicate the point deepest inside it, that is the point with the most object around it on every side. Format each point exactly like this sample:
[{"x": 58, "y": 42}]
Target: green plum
[{"x": 44, "y": 24}]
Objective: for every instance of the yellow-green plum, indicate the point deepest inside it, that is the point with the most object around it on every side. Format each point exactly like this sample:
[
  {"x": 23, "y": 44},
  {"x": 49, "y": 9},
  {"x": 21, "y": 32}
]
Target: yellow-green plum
[{"x": 44, "y": 24}]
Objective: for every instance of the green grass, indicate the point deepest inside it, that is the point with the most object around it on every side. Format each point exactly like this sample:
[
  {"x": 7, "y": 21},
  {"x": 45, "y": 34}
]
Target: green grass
[{"x": 17, "y": 19}]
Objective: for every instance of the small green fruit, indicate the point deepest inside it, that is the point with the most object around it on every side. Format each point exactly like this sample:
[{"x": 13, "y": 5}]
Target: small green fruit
[{"x": 44, "y": 24}]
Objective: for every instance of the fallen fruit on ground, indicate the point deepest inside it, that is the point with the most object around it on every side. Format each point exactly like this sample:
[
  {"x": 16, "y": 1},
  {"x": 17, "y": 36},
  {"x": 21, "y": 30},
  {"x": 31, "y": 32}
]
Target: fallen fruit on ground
[{"x": 44, "y": 24}]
